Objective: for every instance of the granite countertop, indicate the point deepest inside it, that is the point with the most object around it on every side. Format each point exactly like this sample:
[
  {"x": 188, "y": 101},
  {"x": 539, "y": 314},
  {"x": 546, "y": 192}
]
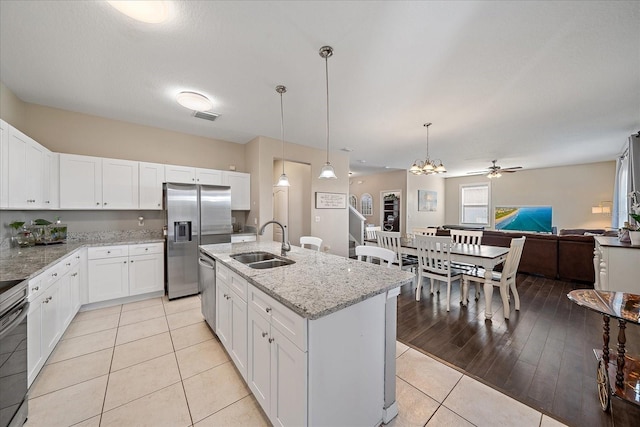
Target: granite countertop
[
  {"x": 25, "y": 263},
  {"x": 318, "y": 283}
]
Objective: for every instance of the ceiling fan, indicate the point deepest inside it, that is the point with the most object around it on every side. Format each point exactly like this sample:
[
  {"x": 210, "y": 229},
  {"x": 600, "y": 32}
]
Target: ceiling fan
[{"x": 495, "y": 171}]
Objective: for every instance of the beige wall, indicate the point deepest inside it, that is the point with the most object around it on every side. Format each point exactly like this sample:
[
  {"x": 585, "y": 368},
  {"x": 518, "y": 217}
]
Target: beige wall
[
  {"x": 416, "y": 218},
  {"x": 570, "y": 190},
  {"x": 12, "y": 109},
  {"x": 299, "y": 212},
  {"x": 375, "y": 184},
  {"x": 333, "y": 224}
]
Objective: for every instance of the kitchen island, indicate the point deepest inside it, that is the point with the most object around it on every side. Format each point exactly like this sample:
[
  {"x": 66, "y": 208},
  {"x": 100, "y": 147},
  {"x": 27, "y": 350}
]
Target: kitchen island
[{"x": 314, "y": 340}]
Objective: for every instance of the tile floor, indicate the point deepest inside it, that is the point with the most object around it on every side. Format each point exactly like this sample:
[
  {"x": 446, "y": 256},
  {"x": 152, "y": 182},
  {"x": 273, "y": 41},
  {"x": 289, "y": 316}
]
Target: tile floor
[{"x": 156, "y": 363}]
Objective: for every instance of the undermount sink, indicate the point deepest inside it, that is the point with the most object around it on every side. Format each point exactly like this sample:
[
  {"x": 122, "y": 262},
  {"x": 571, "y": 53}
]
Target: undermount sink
[{"x": 261, "y": 260}]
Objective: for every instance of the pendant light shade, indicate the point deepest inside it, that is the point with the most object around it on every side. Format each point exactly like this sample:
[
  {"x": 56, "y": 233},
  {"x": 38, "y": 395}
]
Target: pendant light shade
[
  {"x": 427, "y": 166},
  {"x": 327, "y": 170},
  {"x": 283, "y": 181}
]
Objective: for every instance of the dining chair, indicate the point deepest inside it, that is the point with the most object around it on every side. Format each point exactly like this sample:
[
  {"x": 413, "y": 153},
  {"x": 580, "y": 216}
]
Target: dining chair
[
  {"x": 434, "y": 262},
  {"x": 467, "y": 237},
  {"x": 370, "y": 252},
  {"x": 314, "y": 242},
  {"x": 391, "y": 240},
  {"x": 371, "y": 232},
  {"x": 425, "y": 231},
  {"x": 505, "y": 280}
]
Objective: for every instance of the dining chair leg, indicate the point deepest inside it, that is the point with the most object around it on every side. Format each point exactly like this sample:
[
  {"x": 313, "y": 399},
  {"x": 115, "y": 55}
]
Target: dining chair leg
[
  {"x": 477, "y": 291},
  {"x": 514, "y": 291},
  {"x": 464, "y": 291},
  {"x": 419, "y": 287},
  {"x": 504, "y": 294},
  {"x": 448, "y": 294}
]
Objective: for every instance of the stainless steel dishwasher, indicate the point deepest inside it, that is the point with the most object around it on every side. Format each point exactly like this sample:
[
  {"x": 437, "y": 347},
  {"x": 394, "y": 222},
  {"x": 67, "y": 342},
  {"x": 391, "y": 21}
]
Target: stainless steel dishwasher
[{"x": 207, "y": 285}]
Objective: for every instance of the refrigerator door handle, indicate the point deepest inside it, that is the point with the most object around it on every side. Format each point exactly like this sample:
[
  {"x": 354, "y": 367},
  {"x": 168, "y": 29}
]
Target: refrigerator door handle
[{"x": 203, "y": 263}]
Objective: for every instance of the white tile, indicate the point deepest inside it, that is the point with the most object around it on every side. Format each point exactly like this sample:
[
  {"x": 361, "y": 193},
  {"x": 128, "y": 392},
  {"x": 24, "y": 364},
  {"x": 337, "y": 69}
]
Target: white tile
[
  {"x": 547, "y": 421},
  {"x": 68, "y": 406},
  {"x": 484, "y": 406},
  {"x": 414, "y": 407},
  {"x": 141, "y": 314},
  {"x": 200, "y": 357},
  {"x": 90, "y": 326},
  {"x": 181, "y": 304},
  {"x": 165, "y": 407},
  {"x": 142, "y": 304},
  {"x": 141, "y": 350},
  {"x": 56, "y": 376},
  {"x": 212, "y": 390},
  {"x": 446, "y": 418},
  {"x": 426, "y": 374},
  {"x": 91, "y": 422},
  {"x": 245, "y": 412},
  {"x": 85, "y": 344},
  {"x": 400, "y": 348},
  {"x": 190, "y": 335},
  {"x": 99, "y": 312},
  {"x": 185, "y": 318},
  {"x": 139, "y": 380},
  {"x": 141, "y": 330}
]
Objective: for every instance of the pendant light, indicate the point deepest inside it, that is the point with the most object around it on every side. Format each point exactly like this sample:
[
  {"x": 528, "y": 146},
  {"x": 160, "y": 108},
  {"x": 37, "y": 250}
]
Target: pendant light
[
  {"x": 427, "y": 166},
  {"x": 283, "y": 181},
  {"x": 327, "y": 171}
]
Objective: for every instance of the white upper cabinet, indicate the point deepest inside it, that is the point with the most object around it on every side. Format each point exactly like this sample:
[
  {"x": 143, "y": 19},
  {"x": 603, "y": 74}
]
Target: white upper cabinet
[
  {"x": 180, "y": 174},
  {"x": 4, "y": 164},
  {"x": 51, "y": 185},
  {"x": 240, "y": 184},
  {"x": 95, "y": 183},
  {"x": 151, "y": 177},
  {"x": 25, "y": 171},
  {"x": 119, "y": 184},
  {"x": 189, "y": 175},
  {"x": 208, "y": 176},
  {"x": 80, "y": 182}
]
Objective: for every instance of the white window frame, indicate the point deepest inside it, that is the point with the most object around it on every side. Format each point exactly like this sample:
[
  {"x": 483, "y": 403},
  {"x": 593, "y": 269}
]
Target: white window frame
[
  {"x": 461, "y": 206},
  {"x": 366, "y": 204},
  {"x": 353, "y": 201}
]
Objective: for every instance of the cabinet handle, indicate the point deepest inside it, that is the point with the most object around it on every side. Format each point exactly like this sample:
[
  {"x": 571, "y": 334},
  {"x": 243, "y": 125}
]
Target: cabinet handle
[
  {"x": 130, "y": 261},
  {"x": 146, "y": 249},
  {"x": 224, "y": 295},
  {"x": 77, "y": 256},
  {"x": 158, "y": 204},
  {"x": 55, "y": 274},
  {"x": 125, "y": 262},
  {"x": 47, "y": 202},
  {"x": 105, "y": 203},
  {"x": 36, "y": 288},
  {"x": 74, "y": 274},
  {"x": 272, "y": 339},
  {"x": 97, "y": 203},
  {"x": 108, "y": 252},
  {"x": 268, "y": 309},
  {"x": 68, "y": 264},
  {"x": 264, "y": 334}
]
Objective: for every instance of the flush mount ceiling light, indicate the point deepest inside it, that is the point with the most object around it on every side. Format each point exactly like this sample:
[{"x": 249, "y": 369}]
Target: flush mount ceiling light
[
  {"x": 194, "y": 101},
  {"x": 427, "y": 166},
  {"x": 151, "y": 12},
  {"x": 283, "y": 181},
  {"x": 327, "y": 171}
]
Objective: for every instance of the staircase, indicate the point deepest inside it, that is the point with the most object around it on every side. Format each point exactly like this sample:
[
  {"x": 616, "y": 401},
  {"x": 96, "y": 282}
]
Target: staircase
[{"x": 356, "y": 230}]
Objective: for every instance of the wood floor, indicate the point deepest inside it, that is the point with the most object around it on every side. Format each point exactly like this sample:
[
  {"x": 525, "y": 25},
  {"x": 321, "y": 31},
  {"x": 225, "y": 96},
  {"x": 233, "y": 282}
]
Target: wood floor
[{"x": 542, "y": 356}]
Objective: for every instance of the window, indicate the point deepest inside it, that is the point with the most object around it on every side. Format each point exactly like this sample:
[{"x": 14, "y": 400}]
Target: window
[
  {"x": 366, "y": 204},
  {"x": 474, "y": 204},
  {"x": 353, "y": 201}
]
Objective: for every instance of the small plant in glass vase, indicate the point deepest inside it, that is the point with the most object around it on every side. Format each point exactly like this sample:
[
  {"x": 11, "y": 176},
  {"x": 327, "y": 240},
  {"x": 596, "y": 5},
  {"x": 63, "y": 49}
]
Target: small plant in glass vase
[{"x": 634, "y": 227}]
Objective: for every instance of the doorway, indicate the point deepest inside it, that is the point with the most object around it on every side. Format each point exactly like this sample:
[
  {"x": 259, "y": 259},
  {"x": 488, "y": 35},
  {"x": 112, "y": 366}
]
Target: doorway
[{"x": 292, "y": 205}]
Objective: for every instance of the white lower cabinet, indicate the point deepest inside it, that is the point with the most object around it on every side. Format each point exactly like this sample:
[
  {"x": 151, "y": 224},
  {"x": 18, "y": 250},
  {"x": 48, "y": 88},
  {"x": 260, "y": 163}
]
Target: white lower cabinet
[
  {"x": 231, "y": 316},
  {"x": 124, "y": 270}
]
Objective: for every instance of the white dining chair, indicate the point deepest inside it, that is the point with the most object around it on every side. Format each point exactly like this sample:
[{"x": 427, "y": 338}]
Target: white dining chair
[
  {"x": 391, "y": 240},
  {"x": 434, "y": 262},
  {"x": 371, "y": 232},
  {"x": 467, "y": 237},
  {"x": 311, "y": 241},
  {"x": 425, "y": 231},
  {"x": 369, "y": 253},
  {"x": 505, "y": 280}
]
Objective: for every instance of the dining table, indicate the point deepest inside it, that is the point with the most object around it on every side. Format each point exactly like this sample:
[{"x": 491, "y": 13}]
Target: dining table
[{"x": 485, "y": 256}]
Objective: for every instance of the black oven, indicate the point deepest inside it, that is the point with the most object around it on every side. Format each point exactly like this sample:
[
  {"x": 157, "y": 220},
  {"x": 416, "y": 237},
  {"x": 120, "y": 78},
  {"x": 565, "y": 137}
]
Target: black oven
[{"x": 13, "y": 353}]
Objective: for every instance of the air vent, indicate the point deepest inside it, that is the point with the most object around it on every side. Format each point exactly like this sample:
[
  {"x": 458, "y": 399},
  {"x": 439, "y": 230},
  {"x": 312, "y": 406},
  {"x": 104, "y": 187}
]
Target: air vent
[{"x": 205, "y": 115}]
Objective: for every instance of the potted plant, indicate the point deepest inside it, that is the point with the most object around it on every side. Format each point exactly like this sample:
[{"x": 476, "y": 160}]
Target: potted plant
[{"x": 16, "y": 226}]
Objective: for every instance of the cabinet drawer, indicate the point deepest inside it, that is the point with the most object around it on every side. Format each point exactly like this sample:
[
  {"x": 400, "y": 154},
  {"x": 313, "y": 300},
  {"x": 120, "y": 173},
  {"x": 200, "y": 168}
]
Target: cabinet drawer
[
  {"x": 243, "y": 238},
  {"x": 108, "y": 252},
  {"x": 42, "y": 281},
  {"x": 222, "y": 273},
  {"x": 238, "y": 285},
  {"x": 291, "y": 325},
  {"x": 146, "y": 248}
]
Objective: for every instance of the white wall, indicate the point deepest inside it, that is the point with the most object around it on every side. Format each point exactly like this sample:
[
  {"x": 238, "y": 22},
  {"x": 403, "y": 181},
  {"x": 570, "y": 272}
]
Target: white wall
[
  {"x": 417, "y": 218},
  {"x": 570, "y": 190},
  {"x": 374, "y": 184}
]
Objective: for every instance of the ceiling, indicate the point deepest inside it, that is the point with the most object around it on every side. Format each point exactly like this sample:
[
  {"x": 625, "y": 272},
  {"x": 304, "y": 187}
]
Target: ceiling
[{"x": 532, "y": 84}]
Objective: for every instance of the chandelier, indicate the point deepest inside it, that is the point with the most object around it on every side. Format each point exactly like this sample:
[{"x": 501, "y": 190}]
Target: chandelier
[{"x": 427, "y": 166}]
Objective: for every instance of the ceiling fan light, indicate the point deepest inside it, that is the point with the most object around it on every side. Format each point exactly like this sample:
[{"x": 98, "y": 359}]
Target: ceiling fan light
[
  {"x": 283, "y": 181},
  {"x": 194, "y": 101},
  {"x": 327, "y": 172}
]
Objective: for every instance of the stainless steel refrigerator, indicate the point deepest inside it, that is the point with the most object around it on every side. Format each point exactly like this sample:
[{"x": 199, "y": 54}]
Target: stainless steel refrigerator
[{"x": 194, "y": 215}]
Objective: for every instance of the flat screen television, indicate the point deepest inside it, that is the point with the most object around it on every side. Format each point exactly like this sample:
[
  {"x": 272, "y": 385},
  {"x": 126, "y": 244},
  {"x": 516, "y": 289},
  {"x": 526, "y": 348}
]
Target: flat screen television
[{"x": 524, "y": 218}]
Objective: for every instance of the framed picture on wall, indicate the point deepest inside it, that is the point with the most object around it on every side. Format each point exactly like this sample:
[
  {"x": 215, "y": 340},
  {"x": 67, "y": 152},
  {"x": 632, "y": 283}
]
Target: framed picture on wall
[
  {"x": 427, "y": 200},
  {"x": 331, "y": 200}
]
